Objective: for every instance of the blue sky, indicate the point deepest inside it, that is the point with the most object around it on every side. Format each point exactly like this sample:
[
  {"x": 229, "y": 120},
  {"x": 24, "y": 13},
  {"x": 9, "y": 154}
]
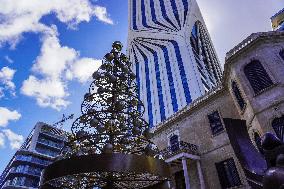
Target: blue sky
[
  {"x": 27, "y": 81},
  {"x": 48, "y": 50}
]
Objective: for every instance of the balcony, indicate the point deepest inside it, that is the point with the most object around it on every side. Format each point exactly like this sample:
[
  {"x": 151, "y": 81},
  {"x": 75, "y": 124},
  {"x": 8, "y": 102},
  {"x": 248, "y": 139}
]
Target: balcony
[
  {"x": 29, "y": 171},
  {"x": 32, "y": 159},
  {"x": 180, "y": 148},
  {"x": 21, "y": 183},
  {"x": 55, "y": 136},
  {"x": 50, "y": 144}
]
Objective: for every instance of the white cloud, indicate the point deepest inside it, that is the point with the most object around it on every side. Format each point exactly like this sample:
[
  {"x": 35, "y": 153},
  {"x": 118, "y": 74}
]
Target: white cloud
[
  {"x": 14, "y": 139},
  {"x": 2, "y": 140},
  {"x": 53, "y": 58},
  {"x": 7, "y": 115},
  {"x": 1, "y": 92},
  {"x": 49, "y": 92},
  {"x": 102, "y": 15},
  {"x": 8, "y": 59},
  {"x": 56, "y": 65},
  {"x": 6, "y": 83},
  {"x": 18, "y": 17},
  {"x": 83, "y": 69},
  {"x": 6, "y": 77}
]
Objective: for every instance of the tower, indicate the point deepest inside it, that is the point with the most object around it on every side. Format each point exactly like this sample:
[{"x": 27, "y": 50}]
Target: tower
[
  {"x": 174, "y": 59},
  {"x": 278, "y": 21}
]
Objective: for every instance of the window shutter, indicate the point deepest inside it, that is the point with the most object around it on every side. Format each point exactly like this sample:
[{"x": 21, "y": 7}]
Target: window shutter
[
  {"x": 215, "y": 123},
  {"x": 257, "y": 140},
  {"x": 278, "y": 126},
  {"x": 238, "y": 95},
  {"x": 222, "y": 175},
  {"x": 228, "y": 174},
  {"x": 257, "y": 76},
  {"x": 233, "y": 173},
  {"x": 174, "y": 142},
  {"x": 281, "y": 53}
]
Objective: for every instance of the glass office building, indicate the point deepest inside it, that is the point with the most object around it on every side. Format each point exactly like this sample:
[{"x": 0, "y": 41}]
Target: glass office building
[{"x": 39, "y": 149}]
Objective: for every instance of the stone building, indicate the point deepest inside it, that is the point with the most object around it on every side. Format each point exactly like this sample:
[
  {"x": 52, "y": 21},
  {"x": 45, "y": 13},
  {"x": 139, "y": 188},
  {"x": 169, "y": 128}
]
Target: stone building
[{"x": 194, "y": 140}]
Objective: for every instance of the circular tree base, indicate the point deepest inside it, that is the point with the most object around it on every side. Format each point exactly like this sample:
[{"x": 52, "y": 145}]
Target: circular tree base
[{"x": 105, "y": 170}]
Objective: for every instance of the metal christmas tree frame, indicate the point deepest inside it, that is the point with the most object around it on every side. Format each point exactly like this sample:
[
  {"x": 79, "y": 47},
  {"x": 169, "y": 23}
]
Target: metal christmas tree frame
[{"x": 110, "y": 144}]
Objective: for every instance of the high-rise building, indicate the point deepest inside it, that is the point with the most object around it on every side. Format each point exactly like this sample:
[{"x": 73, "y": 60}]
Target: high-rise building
[
  {"x": 40, "y": 148},
  {"x": 278, "y": 21},
  {"x": 175, "y": 62}
]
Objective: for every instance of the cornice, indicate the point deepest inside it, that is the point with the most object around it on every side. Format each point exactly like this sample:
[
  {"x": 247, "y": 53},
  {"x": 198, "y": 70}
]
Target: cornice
[{"x": 189, "y": 109}]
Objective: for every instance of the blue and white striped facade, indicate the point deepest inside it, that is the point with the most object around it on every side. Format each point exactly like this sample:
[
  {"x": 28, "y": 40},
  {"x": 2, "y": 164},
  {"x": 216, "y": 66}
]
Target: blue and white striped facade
[{"x": 170, "y": 72}]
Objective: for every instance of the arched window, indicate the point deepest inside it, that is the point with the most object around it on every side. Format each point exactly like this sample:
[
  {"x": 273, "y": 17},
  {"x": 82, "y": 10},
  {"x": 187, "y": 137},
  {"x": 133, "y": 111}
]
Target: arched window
[
  {"x": 257, "y": 76},
  {"x": 278, "y": 126},
  {"x": 257, "y": 140},
  {"x": 281, "y": 53},
  {"x": 238, "y": 95}
]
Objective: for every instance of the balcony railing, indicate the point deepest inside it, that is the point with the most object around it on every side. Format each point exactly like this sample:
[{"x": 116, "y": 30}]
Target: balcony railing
[
  {"x": 51, "y": 144},
  {"x": 32, "y": 160},
  {"x": 27, "y": 171},
  {"x": 180, "y": 147}
]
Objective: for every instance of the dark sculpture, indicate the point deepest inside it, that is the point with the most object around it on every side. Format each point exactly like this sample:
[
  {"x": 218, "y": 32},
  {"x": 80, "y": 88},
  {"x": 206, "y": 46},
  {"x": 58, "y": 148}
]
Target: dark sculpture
[
  {"x": 262, "y": 172},
  {"x": 110, "y": 145},
  {"x": 273, "y": 149},
  {"x": 252, "y": 162}
]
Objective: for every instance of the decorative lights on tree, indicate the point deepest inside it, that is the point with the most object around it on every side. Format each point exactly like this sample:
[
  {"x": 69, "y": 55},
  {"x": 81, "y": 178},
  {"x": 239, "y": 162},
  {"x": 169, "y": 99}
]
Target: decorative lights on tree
[{"x": 110, "y": 144}]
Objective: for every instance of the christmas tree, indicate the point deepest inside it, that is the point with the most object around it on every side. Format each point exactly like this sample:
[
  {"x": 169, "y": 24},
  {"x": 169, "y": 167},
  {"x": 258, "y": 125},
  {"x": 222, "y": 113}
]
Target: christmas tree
[
  {"x": 111, "y": 120},
  {"x": 110, "y": 143}
]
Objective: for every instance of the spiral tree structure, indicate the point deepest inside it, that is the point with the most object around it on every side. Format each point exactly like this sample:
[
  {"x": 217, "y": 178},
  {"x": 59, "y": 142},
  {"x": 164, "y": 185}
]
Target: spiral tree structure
[{"x": 110, "y": 143}]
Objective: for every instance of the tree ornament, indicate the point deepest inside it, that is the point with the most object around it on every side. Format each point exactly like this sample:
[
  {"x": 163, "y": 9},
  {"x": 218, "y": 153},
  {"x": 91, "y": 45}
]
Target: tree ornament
[
  {"x": 101, "y": 90},
  {"x": 109, "y": 138},
  {"x": 136, "y": 130},
  {"x": 109, "y": 57},
  {"x": 87, "y": 95},
  {"x": 94, "y": 122},
  {"x": 150, "y": 150},
  {"x": 147, "y": 134},
  {"x": 117, "y": 45},
  {"x": 96, "y": 75},
  {"x": 100, "y": 128},
  {"x": 108, "y": 148}
]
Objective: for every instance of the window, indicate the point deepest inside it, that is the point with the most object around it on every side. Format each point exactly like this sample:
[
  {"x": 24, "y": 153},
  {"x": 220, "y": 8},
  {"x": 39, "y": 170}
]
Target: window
[
  {"x": 257, "y": 140},
  {"x": 179, "y": 180},
  {"x": 238, "y": 95},
  {"x": 257, "y": 76},
  {"x": 281, "y": 53},
  {"x": 215, "y": 123},
  {"x": 194, "y": 39},
  {"x": 278, "y": 126},
  {"x": 228, "y": 174},
  {"x": 174, "y": 143}
]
